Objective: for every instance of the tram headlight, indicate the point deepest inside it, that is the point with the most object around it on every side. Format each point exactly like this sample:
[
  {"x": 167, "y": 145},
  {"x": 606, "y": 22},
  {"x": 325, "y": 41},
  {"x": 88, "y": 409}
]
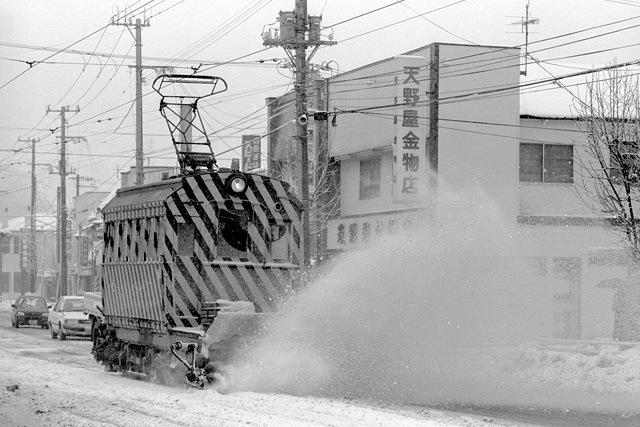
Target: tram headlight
[{"x": 237, "y": 184}]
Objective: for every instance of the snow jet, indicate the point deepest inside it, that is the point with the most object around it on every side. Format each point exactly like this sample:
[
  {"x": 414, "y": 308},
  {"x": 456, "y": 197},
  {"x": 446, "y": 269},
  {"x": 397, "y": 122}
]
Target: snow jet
[{"x": 415, "y": 317}]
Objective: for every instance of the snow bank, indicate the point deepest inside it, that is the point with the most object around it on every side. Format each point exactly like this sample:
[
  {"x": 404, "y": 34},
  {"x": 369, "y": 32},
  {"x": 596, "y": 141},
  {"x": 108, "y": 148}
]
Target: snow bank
[{"x": 580, "y": 367}]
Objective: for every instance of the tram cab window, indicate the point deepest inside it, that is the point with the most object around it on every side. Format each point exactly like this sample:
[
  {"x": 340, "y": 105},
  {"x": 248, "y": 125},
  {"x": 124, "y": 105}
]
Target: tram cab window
[
  {"x": 232, "y": 234},
  {"x": 280, "y": 239},
  {"x": 185, "y": 239}
]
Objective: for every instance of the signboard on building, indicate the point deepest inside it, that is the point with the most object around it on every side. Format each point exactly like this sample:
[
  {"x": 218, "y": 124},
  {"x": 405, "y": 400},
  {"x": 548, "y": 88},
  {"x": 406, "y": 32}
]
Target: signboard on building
[
  {"x": 352, "y": 232},
  {"x": 250, "y": 152},
  {"x": 409, "y": 141},
  {"x": 83, "y": 250}
]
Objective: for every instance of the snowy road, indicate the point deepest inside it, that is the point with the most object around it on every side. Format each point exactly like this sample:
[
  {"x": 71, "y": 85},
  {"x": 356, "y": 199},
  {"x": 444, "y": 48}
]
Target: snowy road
[{"x": 60, "y": 384}]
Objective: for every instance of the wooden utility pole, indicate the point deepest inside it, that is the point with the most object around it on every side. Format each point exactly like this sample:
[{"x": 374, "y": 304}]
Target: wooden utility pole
[
  {"x": 294, "y": 28},
  {"x": 62, "y": 203},
  {"x": 434, "y": 113},
  {"x": 139, "y": 23}
]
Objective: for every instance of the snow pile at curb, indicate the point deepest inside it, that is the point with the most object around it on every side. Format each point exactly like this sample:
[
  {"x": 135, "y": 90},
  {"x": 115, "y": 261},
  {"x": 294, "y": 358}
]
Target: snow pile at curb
[{"x": 580, "y": 367}]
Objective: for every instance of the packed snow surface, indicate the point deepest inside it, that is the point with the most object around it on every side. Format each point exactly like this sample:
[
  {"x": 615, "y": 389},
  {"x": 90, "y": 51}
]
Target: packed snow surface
[{"x": 53, "y": 383}]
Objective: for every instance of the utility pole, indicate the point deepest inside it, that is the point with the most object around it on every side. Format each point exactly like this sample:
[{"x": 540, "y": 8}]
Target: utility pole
[
  {"x": 294, "y": 27},
  {"x": 139, "y": 23},
  {"x": 62, "y": 204},
  {"x": 33, "y": 256},
  {"x": 79, "y": 239}
]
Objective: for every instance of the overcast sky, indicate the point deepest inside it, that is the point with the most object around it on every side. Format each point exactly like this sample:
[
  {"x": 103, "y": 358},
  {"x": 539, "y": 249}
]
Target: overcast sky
[{"x": 207, "y": 31}]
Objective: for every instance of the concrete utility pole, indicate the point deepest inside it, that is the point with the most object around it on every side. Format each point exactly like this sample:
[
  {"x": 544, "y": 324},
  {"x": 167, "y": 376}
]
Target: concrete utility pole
[
  {"x": 78, "y": 178},
  {"x": 294, "y": 27},
  {"x": 139, "y": 23},
  {"x": 33, "y": 256},
  {"x": 62, "y": 203}
]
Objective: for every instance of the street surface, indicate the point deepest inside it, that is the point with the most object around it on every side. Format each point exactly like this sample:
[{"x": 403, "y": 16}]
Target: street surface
[{"x": 51, "y": 382}]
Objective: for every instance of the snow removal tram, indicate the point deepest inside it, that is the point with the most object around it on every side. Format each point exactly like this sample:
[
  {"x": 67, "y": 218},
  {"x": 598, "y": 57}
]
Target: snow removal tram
[{"x": 192, "y": 264}]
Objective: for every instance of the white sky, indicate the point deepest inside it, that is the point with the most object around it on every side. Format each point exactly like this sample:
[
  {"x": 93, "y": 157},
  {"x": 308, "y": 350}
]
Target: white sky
[{"x": 57, "y": 23}]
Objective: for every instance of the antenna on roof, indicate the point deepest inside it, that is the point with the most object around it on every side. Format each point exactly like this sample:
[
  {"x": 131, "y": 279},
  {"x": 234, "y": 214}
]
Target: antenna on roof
[{"x": 524, "y": 23}]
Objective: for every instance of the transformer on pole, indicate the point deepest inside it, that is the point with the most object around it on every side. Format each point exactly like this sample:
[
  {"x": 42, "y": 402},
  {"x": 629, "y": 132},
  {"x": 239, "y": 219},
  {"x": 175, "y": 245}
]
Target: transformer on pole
[{"x": 296, "y": 32}]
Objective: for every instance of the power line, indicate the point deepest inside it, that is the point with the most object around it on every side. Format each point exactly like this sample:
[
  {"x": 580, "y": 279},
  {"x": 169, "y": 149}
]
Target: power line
[
  {"x": 451, "y": 62},
  {"x": 437, "y": 25},
  {"x": 361, "y": 15},
  {"x": 59, "y": 51},
  {"x": 479, "y": 94},
  {"x": 404, "y": 20}
]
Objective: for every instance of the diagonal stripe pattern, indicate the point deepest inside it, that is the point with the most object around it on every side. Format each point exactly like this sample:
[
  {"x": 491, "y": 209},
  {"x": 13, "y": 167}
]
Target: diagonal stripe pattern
[{"x": 163, "y": 256}]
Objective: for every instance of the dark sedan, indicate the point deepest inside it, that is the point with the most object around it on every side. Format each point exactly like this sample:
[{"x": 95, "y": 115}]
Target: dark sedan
[{"x": 29, "y": 310}]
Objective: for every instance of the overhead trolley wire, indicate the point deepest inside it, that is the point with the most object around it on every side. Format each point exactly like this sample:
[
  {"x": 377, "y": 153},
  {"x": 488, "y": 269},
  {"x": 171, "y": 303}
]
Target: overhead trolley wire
[{"x": 59, "y": 51}]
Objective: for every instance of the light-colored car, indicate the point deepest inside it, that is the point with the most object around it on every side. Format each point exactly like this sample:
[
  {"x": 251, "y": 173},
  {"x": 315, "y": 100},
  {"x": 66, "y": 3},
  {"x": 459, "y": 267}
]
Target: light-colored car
[{"x": 67, "y": 318}]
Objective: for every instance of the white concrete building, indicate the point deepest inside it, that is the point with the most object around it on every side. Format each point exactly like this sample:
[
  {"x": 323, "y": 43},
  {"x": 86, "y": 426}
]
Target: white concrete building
[{"x": 485, "y": 130}]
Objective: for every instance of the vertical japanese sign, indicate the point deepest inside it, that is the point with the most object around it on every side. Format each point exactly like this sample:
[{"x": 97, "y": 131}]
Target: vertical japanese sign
[
  {"x": 250, "y": 152},
  {"x": 83, "y": 250},
  {"x": 409, "y": 156}
]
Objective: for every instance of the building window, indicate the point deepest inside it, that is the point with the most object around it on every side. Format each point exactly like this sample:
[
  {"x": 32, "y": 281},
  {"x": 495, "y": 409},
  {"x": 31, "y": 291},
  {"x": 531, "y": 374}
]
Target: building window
[
  {"x": 370, "y": 178},
  {"x": 233, "y": 235},
  {"x": 546, "y": 163}
]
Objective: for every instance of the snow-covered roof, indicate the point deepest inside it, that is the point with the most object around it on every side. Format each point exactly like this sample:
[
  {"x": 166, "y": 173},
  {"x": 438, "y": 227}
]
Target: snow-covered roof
[
  {"x": 554, "y": 100},
  {"x": 107, "y": 199},
  {"x": 44, "y": 222}
]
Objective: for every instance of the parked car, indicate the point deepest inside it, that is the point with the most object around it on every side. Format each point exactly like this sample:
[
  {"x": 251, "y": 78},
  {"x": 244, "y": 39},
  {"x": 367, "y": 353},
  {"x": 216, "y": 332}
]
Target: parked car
[
  {"x": 29, "y": 309},
  {"x": 68, "y": 318}
]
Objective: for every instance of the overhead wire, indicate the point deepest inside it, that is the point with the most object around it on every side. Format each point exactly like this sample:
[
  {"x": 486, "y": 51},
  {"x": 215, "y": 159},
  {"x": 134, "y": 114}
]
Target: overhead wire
[
  {"x": 59, "y": 51},
  {"x": 452, "y": 62},
  {"x": 403, "y": 21},
  {"x": 438, "y": 25}
]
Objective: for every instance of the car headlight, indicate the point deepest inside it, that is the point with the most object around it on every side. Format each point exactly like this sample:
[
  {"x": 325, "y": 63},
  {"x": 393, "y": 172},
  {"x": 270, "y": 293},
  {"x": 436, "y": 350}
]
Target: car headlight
[
  {"x": 237, "y": 184},
  {"x": 70, "y": 321},
  {"x": 20, "y": 313}
]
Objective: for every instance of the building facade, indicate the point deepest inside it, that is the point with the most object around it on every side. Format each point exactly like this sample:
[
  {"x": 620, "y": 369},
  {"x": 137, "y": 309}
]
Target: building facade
[
  {"x": 455, "y": 114},
  {"x": 14, "y": 253}
]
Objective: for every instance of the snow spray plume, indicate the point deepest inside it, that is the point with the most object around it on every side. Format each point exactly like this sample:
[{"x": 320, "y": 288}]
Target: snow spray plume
[{"x": 411, "y": 317}]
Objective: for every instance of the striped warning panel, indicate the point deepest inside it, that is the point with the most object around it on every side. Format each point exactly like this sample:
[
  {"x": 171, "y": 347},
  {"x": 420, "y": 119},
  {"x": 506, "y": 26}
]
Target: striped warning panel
[
  {"x": 202, "y": 272},
  {"x": 133, "y": 290},
  {"x": 194, "y": 283}
]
